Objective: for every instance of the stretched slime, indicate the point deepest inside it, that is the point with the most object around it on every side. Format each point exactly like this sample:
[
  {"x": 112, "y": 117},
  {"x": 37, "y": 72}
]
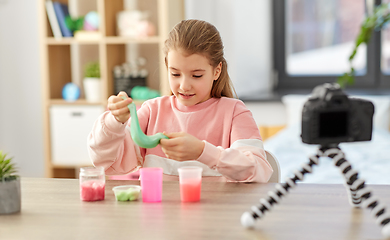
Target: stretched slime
[{"x": 137, "y": 135}]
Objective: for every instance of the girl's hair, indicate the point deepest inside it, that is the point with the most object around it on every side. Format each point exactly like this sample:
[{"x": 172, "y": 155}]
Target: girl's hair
[{"x": 200, "y": 37}]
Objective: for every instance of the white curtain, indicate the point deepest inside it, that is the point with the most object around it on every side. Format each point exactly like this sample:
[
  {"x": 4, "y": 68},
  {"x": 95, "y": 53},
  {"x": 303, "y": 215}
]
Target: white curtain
[{"x": 245, "y": 27}]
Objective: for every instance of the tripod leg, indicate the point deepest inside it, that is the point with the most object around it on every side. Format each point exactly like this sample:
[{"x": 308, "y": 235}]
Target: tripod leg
[
  {"x": 352, "y": 183},
  {"x": 248, "y": 218},
  {"x": 359, "y": 193},
  {"x": 378, "y": 210}
]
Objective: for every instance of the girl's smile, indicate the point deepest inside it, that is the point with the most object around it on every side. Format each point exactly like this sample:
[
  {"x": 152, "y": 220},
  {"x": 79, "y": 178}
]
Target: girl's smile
[
  {"x": 186, "y": 96},
  {"x": 191, "y": 77}
]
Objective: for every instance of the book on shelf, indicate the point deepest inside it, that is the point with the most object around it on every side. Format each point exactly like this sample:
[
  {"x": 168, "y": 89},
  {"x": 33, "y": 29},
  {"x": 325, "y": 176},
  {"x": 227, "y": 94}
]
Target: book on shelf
[
  {"x": 55, "y": 27},
  {"x": 62, "y": 12}
]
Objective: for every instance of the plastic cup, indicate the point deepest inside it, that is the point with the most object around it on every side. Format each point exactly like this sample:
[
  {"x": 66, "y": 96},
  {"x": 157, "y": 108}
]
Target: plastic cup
[
  {"x": 190, "y": 183},
  {"x": 151, "y": 184},
  {"x": 127, "y": 192}
]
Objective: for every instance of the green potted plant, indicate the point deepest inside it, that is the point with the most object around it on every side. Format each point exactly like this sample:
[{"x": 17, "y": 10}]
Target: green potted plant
[
  {"x": 10, "y": 196},
  {"x": 91, "y": 82},
  {"x": 376, "y": 21}
]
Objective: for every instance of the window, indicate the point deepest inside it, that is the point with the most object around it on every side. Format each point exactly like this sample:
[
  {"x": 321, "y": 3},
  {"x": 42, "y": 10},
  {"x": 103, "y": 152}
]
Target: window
[{"x": 313, "y": 40}]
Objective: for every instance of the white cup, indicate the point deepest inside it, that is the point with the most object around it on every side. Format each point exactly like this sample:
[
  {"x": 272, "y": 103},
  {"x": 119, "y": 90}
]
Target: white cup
[{"x": 190, "y": 183}]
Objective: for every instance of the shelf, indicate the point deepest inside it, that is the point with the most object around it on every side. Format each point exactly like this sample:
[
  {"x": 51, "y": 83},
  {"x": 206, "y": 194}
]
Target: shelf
[
  {"x": 107, "y": 40},
  {"x": 64, "y": 59},
  {"x": 72, "y": 166},
  {"x": 69, "y": 41},
  {"x": 124, "y": 40},
  {"x": 77, "y": 102}
]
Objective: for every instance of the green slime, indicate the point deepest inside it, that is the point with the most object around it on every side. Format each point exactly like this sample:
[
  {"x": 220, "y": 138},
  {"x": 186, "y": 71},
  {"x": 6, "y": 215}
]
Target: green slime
[
  {"x": 137, "y": 135},
  {"x": 127, "y": 195}
]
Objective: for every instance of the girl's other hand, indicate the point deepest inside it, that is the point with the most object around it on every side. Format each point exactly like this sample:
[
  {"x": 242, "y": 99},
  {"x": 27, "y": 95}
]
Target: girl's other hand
[
  {"x": 182, "y": 146},
  {"x": 118, "y": 106}
]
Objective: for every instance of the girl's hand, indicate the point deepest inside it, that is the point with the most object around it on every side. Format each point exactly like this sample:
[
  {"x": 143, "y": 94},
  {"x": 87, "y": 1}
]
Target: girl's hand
[
  {"x": 182, "y": 146},
  {"x": 118, "y": 107}
]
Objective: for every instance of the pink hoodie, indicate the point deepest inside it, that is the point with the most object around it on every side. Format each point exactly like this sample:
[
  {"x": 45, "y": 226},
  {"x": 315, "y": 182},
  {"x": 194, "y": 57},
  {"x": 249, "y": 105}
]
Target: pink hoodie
[{"x": 233, "y": 146}]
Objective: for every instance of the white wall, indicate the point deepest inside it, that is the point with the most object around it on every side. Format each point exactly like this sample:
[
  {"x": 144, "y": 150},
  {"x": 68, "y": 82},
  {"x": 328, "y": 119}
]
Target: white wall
[
  {"x": 268, "y": 113},
  {"x": 245, "y": 28},
  {"x": 21, "y": 130}
]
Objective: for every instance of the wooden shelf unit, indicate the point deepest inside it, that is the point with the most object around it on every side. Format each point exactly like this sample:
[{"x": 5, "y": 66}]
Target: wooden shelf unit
[{"x": 58, "y": 65}]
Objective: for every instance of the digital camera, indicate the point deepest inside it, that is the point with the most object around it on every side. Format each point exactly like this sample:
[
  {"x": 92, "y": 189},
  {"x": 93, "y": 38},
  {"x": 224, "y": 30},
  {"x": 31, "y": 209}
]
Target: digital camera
[{"x": 329, "y": 117}]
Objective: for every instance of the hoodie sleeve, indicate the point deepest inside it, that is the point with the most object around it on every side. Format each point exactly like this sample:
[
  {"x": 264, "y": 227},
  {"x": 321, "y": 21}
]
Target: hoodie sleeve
[
  {"x": 244, "y": 160},
  {"x": 111, "y": 146}
]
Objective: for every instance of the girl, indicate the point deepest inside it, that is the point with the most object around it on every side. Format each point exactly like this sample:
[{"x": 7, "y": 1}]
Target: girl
[{"x": 206, "y": 126}]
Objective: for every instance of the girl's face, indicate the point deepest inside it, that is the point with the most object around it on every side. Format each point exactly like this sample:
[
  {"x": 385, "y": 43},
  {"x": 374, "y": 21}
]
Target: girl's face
[{"x": 191, "y": 77}]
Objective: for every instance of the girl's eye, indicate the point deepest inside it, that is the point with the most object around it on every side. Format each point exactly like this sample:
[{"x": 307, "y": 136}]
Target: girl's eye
[
  {"x": 175, "y": 74},
  {"x": 197, "y": 76}
]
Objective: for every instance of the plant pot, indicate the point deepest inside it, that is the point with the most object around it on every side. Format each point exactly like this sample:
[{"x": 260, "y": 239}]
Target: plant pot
[
  {"x": 10, "y": 196},
  {"x": 92, "y": 89}
]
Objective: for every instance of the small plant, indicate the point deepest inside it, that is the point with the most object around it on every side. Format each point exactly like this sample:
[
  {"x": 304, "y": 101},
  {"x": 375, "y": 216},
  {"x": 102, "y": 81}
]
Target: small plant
[
  {"x": 74, "y": 24},
  {"x": 7, "y": 168},
  {"x": 376, "y": 21},
  {"x": 92, "y": 70}
]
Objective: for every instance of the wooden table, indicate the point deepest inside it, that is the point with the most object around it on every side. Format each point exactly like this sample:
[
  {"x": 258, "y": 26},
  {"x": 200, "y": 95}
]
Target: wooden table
[{"x": 51, "y": 209}]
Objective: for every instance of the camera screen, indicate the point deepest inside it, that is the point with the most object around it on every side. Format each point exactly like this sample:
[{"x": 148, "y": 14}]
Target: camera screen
[{"x": 333, "y": 124}]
